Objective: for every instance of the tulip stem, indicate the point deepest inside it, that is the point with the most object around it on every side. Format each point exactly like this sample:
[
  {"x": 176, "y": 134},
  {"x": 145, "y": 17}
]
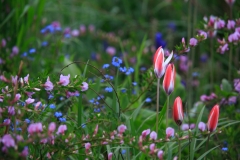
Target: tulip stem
[
  {"x": 167, "y": 111},
  {"x": 207, "y": 146},
  {"x": 179, "y": 145},
  {"x": 157, "y": 109}
]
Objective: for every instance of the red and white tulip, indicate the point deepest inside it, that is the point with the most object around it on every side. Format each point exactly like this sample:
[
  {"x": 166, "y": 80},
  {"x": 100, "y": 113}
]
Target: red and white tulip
[
  {"x": 169, "y": 79},
  {"x": 178, "y": 114},
  {"x": 213, "y": 118}
]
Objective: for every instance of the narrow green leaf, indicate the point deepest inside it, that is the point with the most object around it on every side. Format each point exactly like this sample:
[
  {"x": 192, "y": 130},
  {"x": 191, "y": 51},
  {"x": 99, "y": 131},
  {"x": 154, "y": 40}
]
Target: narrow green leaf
[{"x": 204, "y": 154}]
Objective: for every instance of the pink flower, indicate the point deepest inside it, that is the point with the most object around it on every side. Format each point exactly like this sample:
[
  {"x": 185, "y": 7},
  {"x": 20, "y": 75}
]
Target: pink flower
[
  {"x": 14, "y": 80},
  {"x": 122, "y": 128},
  {"x": 87, "y": 146},
  {"x": 231, "y": 24},
  {"x": 184, "y": 127},
  {"x": 62, "y": 129},
  {"x": 11, "y": 110},
  {"x": 169, "y": 79},
  {"x": 95, "y": 130},
  {"x": 82, "y": 29},
  {"x": 91, "y": 28},
  {"x": 230, "y": 2},
  {"x": 6, "y": 122},
  {"x": 35, "y": 128},
  {"x": 17, "y": 97},
  {"x": 48, "y": 85},
  {"x": 152, "y": 148},
  {"x": 234, "y": 37},
  {"x": 26, "y": 79},
  {"x": 111, "y": 50},
  {"x": 51, "y": 127},
  {"x": 145, "y": 133},
  {"x": 169, "y": 132},
  {"x": 223, "y": 49},
  {"x": 220, "y": 24},
  {"x": 8, "y": 141},
  {"x": 25, "y": 152},
  {"x": 193, "y": 42},
  {"x": 30, "y": 100},
  {"x": 3, "y": 43},
  {"x": 203, "y": 35},
  {"x": 75, "y": 33},
  {"x": 15, "y": 50},
  {"x": 84, "y": 86},
  {"x": 64, "y": 80},
  {"x": 110, "y": 156},
  {"x": 202, "y": 126},
  {"x": 160, "y": 154},
  {"x": 153, "y": 135}
]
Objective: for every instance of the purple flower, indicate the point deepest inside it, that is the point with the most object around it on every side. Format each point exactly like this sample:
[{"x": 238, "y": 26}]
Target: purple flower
[
  {"x": 202, "y": 126},
  {"x": 231, "y": 24},
  {"x": 11, "y": 110},
  {"x": 25, "y": 153},
  {"x": 3, "y": 43},
  {"x": 15, "y": 50},
  {"x": 203, "y": 35},
  {"x": 234, "y": 37},
  {"x": 75, "y": 33},
  {"x": 193, "y": 42},
  {"x": 160, "y": 154},
  {"x": 14, "y": 80},
  {"x": 169, "y": 132},
  {"x": 111, "y": 50},
  {"x": 145, "y": 133},
  {"x": 64, "y": 80},
  {"x": 62, "y": 129},
  {"x": 8, "y": 141},
  {"x": 184, "y": 127},
  {"x": 223, "y": 49},
  {"x": 220, "y": 24},
  {"x": 51, "y": 127},
  {"x": 122, "y": 128},
  {"x": 153, "y": 135},
  {"x": 17, "y": 97},
  {"x": 35, "y": 128},
  {"x": 26, "y": 79},
  {"x": 152, "y": 148},
  {"x": 29, "y": 101},
  {"x": 48, "y": 85},
  {"x": 84, "y": 86},
  {"x": 6, "y": 122}
]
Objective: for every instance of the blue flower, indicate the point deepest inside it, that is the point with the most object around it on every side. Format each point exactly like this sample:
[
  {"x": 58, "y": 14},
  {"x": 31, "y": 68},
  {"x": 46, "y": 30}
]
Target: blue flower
[
  {"x": 32, "y": 50},
  {"x": 134, "y": 83},
  {"x": 91, "y": 100},
  {"x": 52, "y": 106},
  {"x": 108, "y": 89},
  {"x": 134, "y": 91},
  {"x": 123, "y": 151},
  {"x": 50, "y": 96},
  {"x": 97, "y": 110},
  {"x": 143, "y": 69},
  {"x": 105, "y": 66},
  {"x": 148, "y": 100},
  {"x": 83, "y": 125},
  {"x": 58, "y": 114},
  {"x": 62, "y": 119},
  {"x": 44, "y": 43},
  {"x": 116, "y": 61},
  {"x": 129, "y": 71},
  {"x": 67, "y": 35},
  {"x": 27, "y": 120},
  {"x": 25, "y": 54},
  {"x": 195, "y": 74},
  {"x": 123, "y": 90},
  {"x": 123, "y": 69},
  {"x": 224, "y": 149},
  {"x": 172, "y": 26},
  {"x": 100, "y": 97},
  {"x": 61, "y": 98},
  {"x": 159, "y": 41}
]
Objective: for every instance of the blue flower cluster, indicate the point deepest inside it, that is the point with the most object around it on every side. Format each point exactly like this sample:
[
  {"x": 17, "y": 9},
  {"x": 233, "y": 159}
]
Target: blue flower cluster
[
  {"x": 59, "y": 115},
  {"x": 52, "y": 106},
  {"x": 108, "y": 77},
  {"x": 105, "y": 66},
  {"x": 125, "y": 70},
  {"x": 50, "y": 29},
  {"x": 148, "y": 100},
  {"x": 116, "y": 61},
  {"x": 95, "y": 102},
  {"x": 108, "y": 89}
]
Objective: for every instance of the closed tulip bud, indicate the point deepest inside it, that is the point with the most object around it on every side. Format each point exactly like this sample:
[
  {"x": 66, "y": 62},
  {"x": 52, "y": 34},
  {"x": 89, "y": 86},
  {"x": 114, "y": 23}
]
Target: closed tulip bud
[
  {"x": 158, "y": 62},
  {"x": 169, "y": 79},
  {"x": 213, "y": 118},
  {"x": 178, "y": 111}
]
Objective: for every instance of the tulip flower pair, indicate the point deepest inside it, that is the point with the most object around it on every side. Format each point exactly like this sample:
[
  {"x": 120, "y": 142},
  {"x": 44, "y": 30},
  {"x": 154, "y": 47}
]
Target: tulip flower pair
[{"x": 178, "y": 115}]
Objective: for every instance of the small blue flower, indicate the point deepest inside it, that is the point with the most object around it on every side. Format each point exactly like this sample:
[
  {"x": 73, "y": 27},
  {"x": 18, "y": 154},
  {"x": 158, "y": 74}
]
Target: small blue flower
[
  {"x": 195, "y": 74},
  {"x": 83, "y": 125},
  {"x": 58, "y": 114},
  {"x": 67, "y": 36},
  {"x": 52, "y": 106},
  {"x": 134, "y": 92},
  {"x": 50, "y": 96},
  {"x": 116, "y": 61},
  {"x": 123, "y": 151},
  {"x": 108, "y": 89},
  {"x": 32, "y": 50},
  {"x": 148, "y": 100},
  {"x": 224, "y": 149},
  {"x": 62, "y": 119},
  {"x": 44, "y": 43},
  {"x": 25, "y": 54},
  {"x": 129, "y": 71},
  {"x": 97, "y": 110},
  {"x": 143, "y": 69},
  {"x": 19, "y": 129},
  {"x": 91, "y": 100},
  {"x": 123, "y": 90},
  {"x": 105, "y": 66},
  {"x": 134, "y": 83},
  {"x": 61, "y": 98},
  {"x": 100, "y": 97},
  {"x": 123, "y": 69},
  {"x": 27, "y": 120}
]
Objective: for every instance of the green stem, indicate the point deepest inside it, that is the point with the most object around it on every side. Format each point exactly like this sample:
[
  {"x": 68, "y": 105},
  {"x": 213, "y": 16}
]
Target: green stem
[
  {"x": 230, "y": 63},
  {"x": 80, "y": 110},
  {"x": 157, "y": 109},
  {"x": 211, "y": 63},
  {"x": 179, "y": 146},
  {"x": 207, "y": 146},
  {"x": 167, "y": 111}
]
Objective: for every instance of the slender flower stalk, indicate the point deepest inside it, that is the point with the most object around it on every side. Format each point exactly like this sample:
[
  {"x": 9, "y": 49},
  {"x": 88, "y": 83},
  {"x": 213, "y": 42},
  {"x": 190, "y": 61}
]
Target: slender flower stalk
[
  {"x": 179, "y": 145},
  {"x": 159, "y": 68}
]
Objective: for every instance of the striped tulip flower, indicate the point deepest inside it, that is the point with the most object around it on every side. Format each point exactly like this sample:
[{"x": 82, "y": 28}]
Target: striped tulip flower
[
  {"x": 178, "y": 111},
  {"x": 169, "y": 79},
  {"x": 213, "y": 118},
  {"x": 158, "y": 62}
]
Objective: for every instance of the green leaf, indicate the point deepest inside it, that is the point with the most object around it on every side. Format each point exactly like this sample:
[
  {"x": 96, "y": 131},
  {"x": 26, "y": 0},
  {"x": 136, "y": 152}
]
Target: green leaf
[
  {"x": 136, "y": 112},
  {"x": 204, "y": 154},
  {"x": 226, "y": 86}
]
